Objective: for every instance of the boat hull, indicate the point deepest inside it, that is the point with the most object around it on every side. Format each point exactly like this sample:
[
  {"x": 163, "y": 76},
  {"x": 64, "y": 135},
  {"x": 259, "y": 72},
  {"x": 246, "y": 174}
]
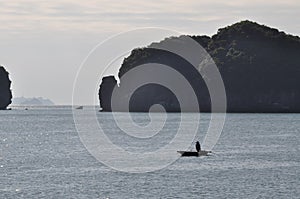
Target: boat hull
[{"x": 193, "y": 153}]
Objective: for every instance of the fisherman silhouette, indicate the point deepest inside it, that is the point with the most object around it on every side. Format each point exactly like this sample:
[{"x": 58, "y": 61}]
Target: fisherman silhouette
[{"x": 198, "y": 147}]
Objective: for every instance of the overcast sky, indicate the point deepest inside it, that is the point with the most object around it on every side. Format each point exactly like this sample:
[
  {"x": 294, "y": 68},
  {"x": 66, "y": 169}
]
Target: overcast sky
[{"x": 44, "y": 42}]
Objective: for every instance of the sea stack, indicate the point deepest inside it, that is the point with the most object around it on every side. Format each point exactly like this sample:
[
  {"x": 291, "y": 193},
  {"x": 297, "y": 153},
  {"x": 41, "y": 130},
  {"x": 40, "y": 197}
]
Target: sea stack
[{"x": 5, "y": 92}]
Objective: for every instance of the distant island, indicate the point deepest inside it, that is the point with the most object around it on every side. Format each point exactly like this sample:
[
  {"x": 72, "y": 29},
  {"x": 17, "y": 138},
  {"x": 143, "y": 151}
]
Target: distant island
[
  {"x": 5, "y": 92},
  {"x": 35, "y": 101},
  {"x": 260, "y": 67}
]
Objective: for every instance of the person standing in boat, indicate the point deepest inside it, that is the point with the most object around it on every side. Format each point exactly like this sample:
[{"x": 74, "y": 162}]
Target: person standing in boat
[{"x": 198, "y": 147}]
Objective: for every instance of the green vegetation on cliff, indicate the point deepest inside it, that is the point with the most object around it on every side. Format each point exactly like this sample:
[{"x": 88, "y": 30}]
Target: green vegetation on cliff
[{"x": 260, "y": 67}]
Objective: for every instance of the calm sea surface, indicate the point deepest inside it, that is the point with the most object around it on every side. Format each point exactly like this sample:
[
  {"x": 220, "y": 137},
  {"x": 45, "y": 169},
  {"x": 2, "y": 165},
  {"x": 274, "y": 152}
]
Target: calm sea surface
[{"x": 41, "y": 156}]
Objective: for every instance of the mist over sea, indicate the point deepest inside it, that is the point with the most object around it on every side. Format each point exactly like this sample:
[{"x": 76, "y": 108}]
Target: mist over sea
[{"x": 41, "y": 156}]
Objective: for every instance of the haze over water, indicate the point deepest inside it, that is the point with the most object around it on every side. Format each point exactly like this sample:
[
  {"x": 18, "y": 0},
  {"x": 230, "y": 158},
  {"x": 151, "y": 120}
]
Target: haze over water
[{"x": 45, "y": 43}]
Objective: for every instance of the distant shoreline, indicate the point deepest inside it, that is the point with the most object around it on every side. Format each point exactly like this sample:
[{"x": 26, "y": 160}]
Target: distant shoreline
[{"x": 97, "y": 108}]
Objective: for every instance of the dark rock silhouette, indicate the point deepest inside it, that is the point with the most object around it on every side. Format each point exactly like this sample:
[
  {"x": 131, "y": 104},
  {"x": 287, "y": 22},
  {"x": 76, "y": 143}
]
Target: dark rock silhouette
[
  {"x": 105, "y": 92},
  {"x": 260, "y": 67},
  {"x": 5, "y": 92}
]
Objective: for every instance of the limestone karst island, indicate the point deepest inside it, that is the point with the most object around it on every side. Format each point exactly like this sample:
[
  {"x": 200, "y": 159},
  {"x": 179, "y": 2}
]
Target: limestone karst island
[
  {"x": 5, "y": 92},
  {"x": 260, "y": 67}
]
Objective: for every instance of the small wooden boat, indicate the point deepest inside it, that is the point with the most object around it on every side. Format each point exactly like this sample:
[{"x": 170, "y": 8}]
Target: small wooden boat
[{"x": 194, "y": 153}]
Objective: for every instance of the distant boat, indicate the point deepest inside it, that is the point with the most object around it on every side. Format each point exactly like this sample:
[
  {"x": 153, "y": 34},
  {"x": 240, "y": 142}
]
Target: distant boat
[
  {"x": 79, "y": 107},
  {"x": 193, "y": 153}
]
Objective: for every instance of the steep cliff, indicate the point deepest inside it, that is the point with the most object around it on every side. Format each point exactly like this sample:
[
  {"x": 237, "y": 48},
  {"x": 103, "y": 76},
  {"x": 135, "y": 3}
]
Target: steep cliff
[
  {"x": 5, "y": 92},
  {"x": 260, "y": 67}
]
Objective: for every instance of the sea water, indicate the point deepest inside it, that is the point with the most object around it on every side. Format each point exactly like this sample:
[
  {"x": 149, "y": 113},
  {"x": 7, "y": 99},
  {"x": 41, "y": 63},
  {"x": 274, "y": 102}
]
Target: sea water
[{"x": 42, "y": 156}]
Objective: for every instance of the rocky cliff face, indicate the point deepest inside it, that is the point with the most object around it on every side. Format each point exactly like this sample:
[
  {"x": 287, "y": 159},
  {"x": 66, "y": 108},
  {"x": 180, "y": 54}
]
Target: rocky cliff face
[
  {"x": 260, "y": 67},
  {"x": 105, "y": 92},
  {"x": 5, "y": 92}
]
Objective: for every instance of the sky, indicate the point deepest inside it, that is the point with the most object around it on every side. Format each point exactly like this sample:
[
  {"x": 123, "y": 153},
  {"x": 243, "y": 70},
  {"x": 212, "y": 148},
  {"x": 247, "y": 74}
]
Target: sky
[{"x": 43, "y": 43}]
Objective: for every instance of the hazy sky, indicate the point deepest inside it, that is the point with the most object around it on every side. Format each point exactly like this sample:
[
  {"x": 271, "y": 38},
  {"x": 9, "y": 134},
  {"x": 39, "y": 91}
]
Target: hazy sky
[{"x": 44, "y": 42}]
